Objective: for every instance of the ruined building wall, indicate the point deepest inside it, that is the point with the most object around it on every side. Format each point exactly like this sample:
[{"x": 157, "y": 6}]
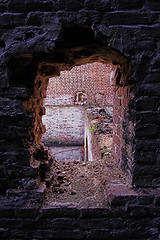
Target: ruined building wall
[
  {"x": 38, "y": 39},
  {"x": 32, "y": 28},
  {"x": 65, "y": 116}
]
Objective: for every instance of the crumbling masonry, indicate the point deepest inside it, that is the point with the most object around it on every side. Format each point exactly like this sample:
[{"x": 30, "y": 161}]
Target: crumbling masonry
[{"x": 40, "y": 38}]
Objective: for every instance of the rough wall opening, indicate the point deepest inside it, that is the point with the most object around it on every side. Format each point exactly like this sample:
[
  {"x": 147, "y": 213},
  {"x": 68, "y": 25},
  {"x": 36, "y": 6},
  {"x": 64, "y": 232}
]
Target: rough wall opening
[
  {"x": 32, "y": 27},
  {"x": 79, "y": 110},
  {"x": 47, "y": 65}
]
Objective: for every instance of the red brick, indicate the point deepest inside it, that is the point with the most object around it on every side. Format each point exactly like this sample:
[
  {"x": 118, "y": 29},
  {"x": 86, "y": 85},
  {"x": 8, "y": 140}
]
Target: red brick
[
  {"x": 119, "y": 91},
  {"x": 116, "y": 140},
  {"x": 113, "y": 147},
  {"x": 114, "y": 128},
  {"x": 119, "y": 111},
  {"x": 116, "y": 157},
  {"x": 118, "y": 151},
  {"x": 117, "y": 102},
  {"x": 116, "y": 119},
  {"x": 125, "y": 102},
  {"x": 119, "y": 132},
  {"x": 125, "y": 91},
  {"x": 114, "y": 111}
]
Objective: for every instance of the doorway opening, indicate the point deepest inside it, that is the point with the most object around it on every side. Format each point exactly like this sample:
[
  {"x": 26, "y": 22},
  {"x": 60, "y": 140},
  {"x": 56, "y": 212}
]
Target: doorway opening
[
  {"x": 79, "y": 135},
  {"x": 47, "y": 65}
]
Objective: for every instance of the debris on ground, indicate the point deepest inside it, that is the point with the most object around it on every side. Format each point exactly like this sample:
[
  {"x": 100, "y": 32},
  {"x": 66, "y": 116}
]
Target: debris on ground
[{"x": 83, "y": 184}]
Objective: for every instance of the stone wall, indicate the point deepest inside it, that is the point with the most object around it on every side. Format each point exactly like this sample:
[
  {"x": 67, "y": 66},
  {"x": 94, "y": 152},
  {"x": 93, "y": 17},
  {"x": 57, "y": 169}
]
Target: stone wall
[{"x": 129, "y": 217}]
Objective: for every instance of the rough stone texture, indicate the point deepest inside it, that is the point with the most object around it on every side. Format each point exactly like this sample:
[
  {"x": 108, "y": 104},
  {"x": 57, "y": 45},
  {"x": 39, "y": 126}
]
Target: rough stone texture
[
  {"x": 129, "y": 217},
  {"x": 40, "y": 38}
]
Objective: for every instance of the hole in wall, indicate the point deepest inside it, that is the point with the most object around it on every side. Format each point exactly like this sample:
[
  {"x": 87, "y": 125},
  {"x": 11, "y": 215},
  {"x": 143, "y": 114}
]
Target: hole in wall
[
  {"x": 44, "y": 67},
  {"x": 79, "y": 130}
]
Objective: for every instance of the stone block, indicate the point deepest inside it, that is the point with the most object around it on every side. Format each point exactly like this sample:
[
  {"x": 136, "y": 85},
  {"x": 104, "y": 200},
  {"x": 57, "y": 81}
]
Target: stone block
[
  {"x": 29, "y": 212},
  {"x": 97, "y": 234},
  {"x": 119, "y": 193},
  {"x": 98, "y": 223},
  {"x": 15, "y": 93},
  {"x": 149, "y": 89},
  {"x": 13, "y": 132},
  {"x": 9, "y": 20},
  {"x": 148, "y": 131},
  {"x": 59, "y": 212},
  {"x": 4, "y": 184},
  {"x": 125, "y": 4},
  {"x": 3, "y": 7},
  {"x": 30, "y": 6},
  {"x": 11, "y": 107},
  {"x": 148, "y": 117},
  {"x": 23, "y": 171},
  {"x": 61, "y": 223},
  {"x": 152, "y": 77},
  {"x": 154, "y": 5},
  {"x": 141, "y": 169},
  {"x": 146, "y": 181},
  {"x": 142, "y": 211},
  {"x": 35, "y": 18},
  {"x": 145, "y": 157},
  {"x": 134, "y": 233},
  {"x": 11, "y": 145},
  {"x": 147, "y": 103},
  {"x": 129, "y": 18},
  {"x": 103, "y": 5},
  {"x": 18, "y": 158},
  {"x": 2, "y": 171},
  {"x": 7, "y": 212},
  {"x": 95, "y": 213},
  {"x": 145, "y": 145}
]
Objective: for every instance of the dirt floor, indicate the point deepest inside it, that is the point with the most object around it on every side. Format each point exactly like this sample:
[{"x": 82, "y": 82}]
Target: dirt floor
[{"x": 83, "y": 184}]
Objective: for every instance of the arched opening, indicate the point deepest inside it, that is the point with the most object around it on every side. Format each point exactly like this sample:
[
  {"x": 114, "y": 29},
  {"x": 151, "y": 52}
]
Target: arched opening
[{"x": 67, "y": 55}]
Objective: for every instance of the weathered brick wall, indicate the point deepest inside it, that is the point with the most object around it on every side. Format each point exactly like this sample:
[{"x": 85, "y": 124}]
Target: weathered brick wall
[
  {"x": 64, "y": 124},
  {"x": 64, "y": 120},
  {"x": 93, "y": 78},
  {"x": 28, "y": 28},
  {"x": 34, "y": 34}
]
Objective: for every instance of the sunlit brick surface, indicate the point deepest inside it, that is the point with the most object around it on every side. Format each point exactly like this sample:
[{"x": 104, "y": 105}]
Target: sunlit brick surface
[{"x": 94, "y": 79}]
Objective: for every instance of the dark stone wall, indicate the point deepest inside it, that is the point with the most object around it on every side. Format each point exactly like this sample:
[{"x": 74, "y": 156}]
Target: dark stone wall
[
  {"x": 33, "y": 32},
  {"x": 129, "y": 217},
  {"x": 33, "y": 27}
]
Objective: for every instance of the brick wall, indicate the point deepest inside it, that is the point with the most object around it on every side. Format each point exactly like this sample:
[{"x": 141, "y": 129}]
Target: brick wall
[
  {"x": 118, "y": 35},
  {"x": 64, "y": 120},
  {"x": 38, "y": 39},
  {"x": 93, "y": 78}
]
